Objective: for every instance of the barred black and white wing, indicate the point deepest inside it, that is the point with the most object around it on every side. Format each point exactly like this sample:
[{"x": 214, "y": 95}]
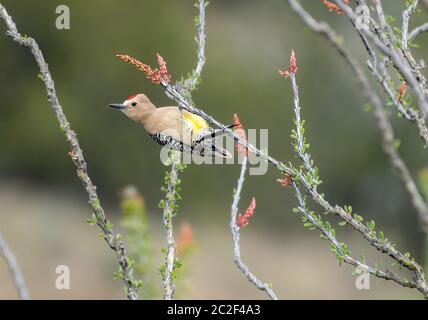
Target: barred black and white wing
[
  {"x": 170, "y": 142},
  {"x": 205, "y": 144}
]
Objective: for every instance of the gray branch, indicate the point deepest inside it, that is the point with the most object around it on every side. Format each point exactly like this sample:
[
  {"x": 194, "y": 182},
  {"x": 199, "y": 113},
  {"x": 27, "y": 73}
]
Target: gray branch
[
  {"x": 405, "y": 25},
  {"x": 168, "y": 215},
  {"x": 403, "y": 60},
  {"x": 418, "y": 30},
  {"x": 76, "y": 153},
  {"x": 415, "y": 67},
  {"x": 14, "y": 269},
  {"x": 383, "y": 124},
  {"x": 195, "y": 77},
  {"x": 408, "y": 113},
  {"x": 236, "y": 235},
  {"x": 417, "y": 117},
  {"x": 300, "y": 144},
  {"x": 340, "y": 248},
  {"x": 381, "y": 15}
]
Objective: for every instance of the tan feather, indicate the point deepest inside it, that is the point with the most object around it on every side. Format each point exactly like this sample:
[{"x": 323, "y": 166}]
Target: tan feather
[{"x": 179, "y": 124}]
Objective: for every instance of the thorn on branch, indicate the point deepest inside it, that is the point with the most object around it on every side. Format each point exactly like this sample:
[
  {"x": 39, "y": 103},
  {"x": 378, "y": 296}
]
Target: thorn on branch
[
  {"x": 402, "y": 91},
  {"x": 240, "y": 132},
  {"x": 154, "y": 75},
  {"x": 292, "y": 67},
  {"x": 242, "y": 219},
  {"x": 285, "y": 182}
]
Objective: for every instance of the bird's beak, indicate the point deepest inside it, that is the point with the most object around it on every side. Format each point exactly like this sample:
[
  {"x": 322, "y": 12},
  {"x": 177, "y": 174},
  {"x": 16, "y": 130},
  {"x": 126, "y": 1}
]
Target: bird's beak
[{"x": 117, "y": 106}]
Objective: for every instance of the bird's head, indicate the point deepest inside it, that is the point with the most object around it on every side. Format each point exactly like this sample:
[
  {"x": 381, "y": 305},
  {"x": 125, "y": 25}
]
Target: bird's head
[{"x": 135, "y": 107}]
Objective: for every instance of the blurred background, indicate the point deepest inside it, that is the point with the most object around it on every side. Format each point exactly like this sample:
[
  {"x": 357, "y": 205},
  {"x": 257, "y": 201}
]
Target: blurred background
[{"x": 42, "y": 204}]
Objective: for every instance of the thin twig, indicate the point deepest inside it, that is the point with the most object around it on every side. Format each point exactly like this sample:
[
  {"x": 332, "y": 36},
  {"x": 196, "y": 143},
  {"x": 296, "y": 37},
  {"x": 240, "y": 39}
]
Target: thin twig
[
  {"x": 236, "y": 235},
  {"x": 383, "y": 23},
  {"x": 417, "y": 31},
  {"x": 195, "y": 77},
  {"x": 384, "y": 79},
  {"x": 408, "y": 113},
  {"x": 113, "y": 240},
  {"x": 169, "y": 211},
  {"x": 405, "y": 25},
  {"x": 340, "y": 248},
  {"x": 415, "y": 66},
  {"x": 14, "y": 269},
  {"x": 300, "y": 143}
]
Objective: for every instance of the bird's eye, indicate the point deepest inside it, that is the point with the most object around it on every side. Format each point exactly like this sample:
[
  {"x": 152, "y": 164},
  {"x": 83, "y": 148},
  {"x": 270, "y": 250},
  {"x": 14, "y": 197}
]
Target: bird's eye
[{"x": 134, "y": 104}]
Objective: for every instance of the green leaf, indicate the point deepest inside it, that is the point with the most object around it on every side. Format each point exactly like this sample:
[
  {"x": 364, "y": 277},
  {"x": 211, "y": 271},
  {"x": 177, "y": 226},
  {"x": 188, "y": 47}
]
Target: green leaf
[
  {"x": 358, "y": 217},
  {"x": 396, "y": 144},
  {"x": 371, "y": 225},
  {"x": 162, "y": 204},
  {"x": 109, "y": 225},
  {"x": 91, "y": 221},
  {"x": 138, "y": 284}
]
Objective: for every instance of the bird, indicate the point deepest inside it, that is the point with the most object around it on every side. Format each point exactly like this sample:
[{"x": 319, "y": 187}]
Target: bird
[{"x": 173, "y": 127}]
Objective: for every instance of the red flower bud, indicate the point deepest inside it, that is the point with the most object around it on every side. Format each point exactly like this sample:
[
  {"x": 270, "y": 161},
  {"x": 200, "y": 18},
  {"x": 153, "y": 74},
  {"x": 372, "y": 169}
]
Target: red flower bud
[
  {"x": 242, "y": 220},
  {"x": 334, "y": 7},
  {"x": 292, "y": 67},
  {"x": 284, "y": 182}
]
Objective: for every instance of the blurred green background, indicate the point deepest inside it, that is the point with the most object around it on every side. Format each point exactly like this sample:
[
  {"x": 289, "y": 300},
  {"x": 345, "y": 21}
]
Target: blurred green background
[{"x": 42, "y": 204}]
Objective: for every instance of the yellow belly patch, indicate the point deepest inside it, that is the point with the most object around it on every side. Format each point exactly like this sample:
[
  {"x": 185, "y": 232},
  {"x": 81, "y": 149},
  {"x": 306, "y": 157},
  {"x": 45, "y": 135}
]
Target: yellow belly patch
[{"x": 195, "y": 122}]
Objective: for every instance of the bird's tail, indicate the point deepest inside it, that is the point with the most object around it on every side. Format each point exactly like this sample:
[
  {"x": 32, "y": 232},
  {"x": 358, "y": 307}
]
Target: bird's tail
[
  {"x": 211, "y": 133},
  {"x": 220, "y": 152},
  {"x": 211, "y": 150}
]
